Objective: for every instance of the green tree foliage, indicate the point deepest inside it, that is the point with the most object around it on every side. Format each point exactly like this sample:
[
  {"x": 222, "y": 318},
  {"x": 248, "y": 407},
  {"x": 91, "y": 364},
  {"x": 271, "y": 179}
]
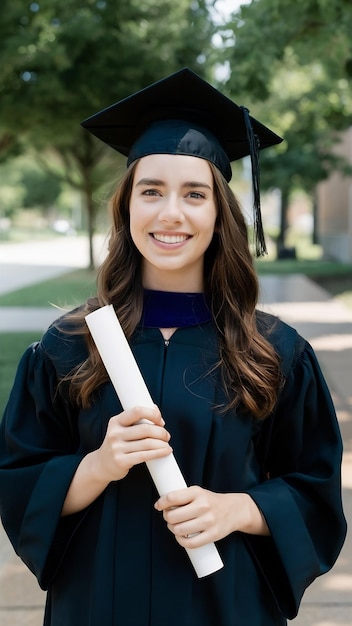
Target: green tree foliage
[
  {"x": 293, "y": 61},
  {"x": 41, "y": 189},
  {"x": 263, "y": 31},
  {"x": 62, "y": 61}
]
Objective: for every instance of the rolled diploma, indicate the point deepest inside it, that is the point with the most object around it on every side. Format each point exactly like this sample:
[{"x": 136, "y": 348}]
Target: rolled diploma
[{"x": 132, "y": 391}]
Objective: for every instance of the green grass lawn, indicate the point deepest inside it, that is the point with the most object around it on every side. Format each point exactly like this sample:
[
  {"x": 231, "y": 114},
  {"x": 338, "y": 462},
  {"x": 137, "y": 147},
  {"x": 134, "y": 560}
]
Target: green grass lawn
[
  {"x": 67, "y": 290},
  {"x": 308, "y": 267},
  {"x": 12, "y": 346}
]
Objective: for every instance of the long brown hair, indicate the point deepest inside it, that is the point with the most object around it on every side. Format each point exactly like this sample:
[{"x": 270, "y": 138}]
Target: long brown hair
[{"x": 249, "y": 364}]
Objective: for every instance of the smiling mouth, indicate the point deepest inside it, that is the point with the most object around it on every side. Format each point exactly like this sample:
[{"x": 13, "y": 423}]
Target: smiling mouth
[{"x": 170, "y": 238}]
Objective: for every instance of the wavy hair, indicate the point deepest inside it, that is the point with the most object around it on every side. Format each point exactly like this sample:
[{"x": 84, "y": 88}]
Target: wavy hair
[{"x": 249, "y": 364}]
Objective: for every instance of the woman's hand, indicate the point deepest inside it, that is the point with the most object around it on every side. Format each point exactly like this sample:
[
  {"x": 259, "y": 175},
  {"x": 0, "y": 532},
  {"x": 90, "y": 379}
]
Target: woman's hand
[
  {"x": 132, "y": 437},
  {"x": 197, "y": 516},
  {"x": 127, "y": 442}
]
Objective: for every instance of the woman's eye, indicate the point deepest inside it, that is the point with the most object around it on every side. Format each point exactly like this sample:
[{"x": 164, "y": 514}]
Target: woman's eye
[
  {"x": 196, "y": 194},
  {"x": 150, "y": 192}
]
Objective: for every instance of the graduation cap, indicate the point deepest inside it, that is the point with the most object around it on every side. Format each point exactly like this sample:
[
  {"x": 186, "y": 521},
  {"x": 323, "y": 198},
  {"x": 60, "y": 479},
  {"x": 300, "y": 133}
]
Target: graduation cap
[{"x": 183, "y": 114}]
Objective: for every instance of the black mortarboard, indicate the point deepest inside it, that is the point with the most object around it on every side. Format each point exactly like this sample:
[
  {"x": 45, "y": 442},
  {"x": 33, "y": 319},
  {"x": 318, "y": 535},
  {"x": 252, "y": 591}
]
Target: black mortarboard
[{"x": 183, "y": 114}]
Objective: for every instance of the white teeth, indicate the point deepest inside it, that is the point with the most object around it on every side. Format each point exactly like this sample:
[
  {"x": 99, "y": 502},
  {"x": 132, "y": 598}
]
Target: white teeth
[{"x": 170, "y": 238}]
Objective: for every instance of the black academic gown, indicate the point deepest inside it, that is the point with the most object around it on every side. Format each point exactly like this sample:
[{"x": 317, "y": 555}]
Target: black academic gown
[{"x": 116, "y": 563}]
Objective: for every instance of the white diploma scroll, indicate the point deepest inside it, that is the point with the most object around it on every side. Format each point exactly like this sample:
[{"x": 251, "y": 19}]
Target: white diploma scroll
[{"x": 132, "y": 391}]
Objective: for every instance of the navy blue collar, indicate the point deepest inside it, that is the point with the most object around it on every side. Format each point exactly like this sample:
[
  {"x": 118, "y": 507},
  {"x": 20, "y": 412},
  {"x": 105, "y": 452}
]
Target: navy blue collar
[{"x": 168, "y": 309}]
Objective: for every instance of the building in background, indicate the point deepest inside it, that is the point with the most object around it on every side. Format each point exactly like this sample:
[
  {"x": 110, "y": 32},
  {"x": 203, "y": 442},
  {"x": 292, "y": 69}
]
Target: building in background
[{"x": 335, "y": 208}]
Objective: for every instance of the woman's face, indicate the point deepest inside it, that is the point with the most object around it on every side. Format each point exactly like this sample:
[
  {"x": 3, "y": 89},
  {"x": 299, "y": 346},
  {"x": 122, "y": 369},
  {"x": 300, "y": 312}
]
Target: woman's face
[{"x": 172, "y": 220}]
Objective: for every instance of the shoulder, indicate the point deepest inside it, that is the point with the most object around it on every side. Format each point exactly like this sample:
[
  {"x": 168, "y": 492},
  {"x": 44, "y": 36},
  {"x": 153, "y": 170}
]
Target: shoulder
[
  {"x": 274, "y": 329},
  {"x": 63, "y": 345},
  {"x": 286, "y": 341}
]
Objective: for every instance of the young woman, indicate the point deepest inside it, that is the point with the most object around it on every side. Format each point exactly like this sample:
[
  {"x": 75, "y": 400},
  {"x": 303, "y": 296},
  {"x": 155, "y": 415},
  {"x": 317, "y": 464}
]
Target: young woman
[{"x": 239, "y": 399}]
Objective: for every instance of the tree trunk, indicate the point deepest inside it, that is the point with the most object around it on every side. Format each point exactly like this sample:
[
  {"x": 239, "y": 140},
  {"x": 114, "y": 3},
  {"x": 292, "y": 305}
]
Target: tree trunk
[
  {"x": 315, "y": 235},
  {"x": 90, "y": 209},
  {"x": 281, "y": 240}
]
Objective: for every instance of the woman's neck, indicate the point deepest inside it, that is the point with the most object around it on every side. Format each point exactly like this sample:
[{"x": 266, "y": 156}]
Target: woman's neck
[
  {"x": 167, "y": 332},
  {"x": 176, "y": 282}
]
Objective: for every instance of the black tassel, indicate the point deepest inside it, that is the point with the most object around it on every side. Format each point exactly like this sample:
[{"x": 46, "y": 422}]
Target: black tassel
[{"x": 253, "y": 140}]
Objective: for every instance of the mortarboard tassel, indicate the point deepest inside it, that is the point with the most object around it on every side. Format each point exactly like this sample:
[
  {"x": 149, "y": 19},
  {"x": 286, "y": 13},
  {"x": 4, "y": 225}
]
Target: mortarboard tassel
[{"x": 253, "y": 140}]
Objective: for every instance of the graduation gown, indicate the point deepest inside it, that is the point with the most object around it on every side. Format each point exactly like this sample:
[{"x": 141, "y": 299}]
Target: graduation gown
[{"x": 115, "y": 563}]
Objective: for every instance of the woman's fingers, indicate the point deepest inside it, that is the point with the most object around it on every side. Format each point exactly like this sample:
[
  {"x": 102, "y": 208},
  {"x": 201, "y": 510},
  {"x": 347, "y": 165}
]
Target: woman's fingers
[
  {"x": 133, "y": 437},
  {"x": 139, "y": 413},
  {"x": 197, "y": 516},
  {"x": 180, "y": 498},
  {"x": 136, "y": 424}
]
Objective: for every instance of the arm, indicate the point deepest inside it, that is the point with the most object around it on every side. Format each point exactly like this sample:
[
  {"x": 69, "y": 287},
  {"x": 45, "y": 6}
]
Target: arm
[
  {"x": 301, "y": 501},
  {"x": 41, "y": 469}
]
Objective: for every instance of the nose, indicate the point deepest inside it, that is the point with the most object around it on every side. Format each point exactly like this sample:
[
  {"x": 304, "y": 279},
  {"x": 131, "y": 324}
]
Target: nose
[{"x": 171, "y": 210}]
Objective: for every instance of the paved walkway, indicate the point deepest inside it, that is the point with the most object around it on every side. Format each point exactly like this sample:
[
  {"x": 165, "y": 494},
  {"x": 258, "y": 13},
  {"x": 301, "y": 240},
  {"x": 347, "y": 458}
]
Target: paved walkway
[{"x": 325, "y": 322}]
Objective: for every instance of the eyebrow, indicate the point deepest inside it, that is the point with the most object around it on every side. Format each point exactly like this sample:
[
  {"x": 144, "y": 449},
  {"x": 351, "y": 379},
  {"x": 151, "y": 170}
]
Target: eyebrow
[
  {"x": 160, "y": 183},
  {"x": 150, "y": 181}
]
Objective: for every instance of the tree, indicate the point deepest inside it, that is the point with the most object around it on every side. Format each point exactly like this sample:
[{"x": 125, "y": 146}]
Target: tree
[
  {"x": 41, "y": 189},
  {"x": 306, "y": 115},
  {"x": 318, "y": 31},
  {"x": 294, "y": 60},
  {"x": 62, "y": 61}
]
